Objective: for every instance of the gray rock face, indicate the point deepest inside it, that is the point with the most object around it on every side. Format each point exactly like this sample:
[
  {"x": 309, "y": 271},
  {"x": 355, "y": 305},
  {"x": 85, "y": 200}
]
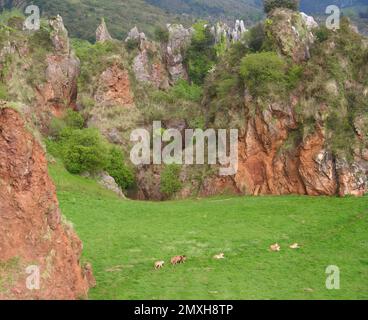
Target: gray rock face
[
  {"x": 222, "y": 31},
  {"x": 179, "y": 40},
  {"x": 309, "y": 21},
  {"x": 109, "y": 183},
  {"x": 102, "y": 33},
  {"x": 59, "y": 35},
  {"x": 148, "y": 65},
  {"x": 290, "y": 32},
  {"x": 134, "y": 34}
]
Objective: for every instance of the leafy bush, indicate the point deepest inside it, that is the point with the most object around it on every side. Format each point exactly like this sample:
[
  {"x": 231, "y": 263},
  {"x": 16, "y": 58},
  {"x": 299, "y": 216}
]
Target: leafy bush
[
  {"x": 270, "y": 5},
  {"x": 255, "y": 37},
  {"x": 131, "y": 44},
  {"x": 162, "y": 34},
  {"x": 170, "y": 180},
  {"x": 201, "y": 56},
  {"x": 294, "y": 75},
  {"x": 322, "y": 34},
  {"x": 186, "y": 91},
  {"x": 72, "y": 120},
  {"x": 123, "y": 175},
  {"x": 261, "y": 71},
  {"x": 83, "y": 151},
  {"x": 181, "y": 91}
]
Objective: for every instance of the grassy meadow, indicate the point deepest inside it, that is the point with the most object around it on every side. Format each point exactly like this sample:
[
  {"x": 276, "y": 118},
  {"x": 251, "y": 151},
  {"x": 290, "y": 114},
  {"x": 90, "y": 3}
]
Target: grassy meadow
[{"x": 123, "y": 238}]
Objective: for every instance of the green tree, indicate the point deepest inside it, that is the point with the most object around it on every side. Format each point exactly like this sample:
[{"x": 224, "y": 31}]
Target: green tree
[
  {"x": 83, "y": 150},
  {"x": 116, "y": 168},
  {"x": 270, "y": 5},
  {"x": 201, "y": 56}
]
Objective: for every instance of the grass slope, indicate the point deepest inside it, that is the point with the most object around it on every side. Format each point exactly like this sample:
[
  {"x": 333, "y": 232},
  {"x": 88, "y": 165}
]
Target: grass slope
[{"x": 122, "y": 239}]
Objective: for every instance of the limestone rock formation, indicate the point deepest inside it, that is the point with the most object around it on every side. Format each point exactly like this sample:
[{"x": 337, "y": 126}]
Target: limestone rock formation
[
  {"x": 309, "y": 21},
  {"x": 109, "y": 183},
  {"x": 32, "y": 231},
  {"x": 294, "y": 144},
  {"x": 135, "y": 35},
  {"x": 222, "y": 32},
  {"x": 148, "y": 65},
  {"x": 291, "y": 32},
  {"x": 102, "y": 33},
  {"x": 63, "y": 68},
  {"x": 114, "y": 112},
  {"x": 179, "y": 39},
  {"x": 59, "y": 35}
]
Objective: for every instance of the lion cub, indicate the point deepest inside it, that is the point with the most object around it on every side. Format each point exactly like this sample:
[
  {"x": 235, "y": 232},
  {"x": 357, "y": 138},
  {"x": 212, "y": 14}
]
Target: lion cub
[
  {"x": 159, "y": 264},
  {"x": 275, "y": 247},
  {"x": 219, "y": 256}
]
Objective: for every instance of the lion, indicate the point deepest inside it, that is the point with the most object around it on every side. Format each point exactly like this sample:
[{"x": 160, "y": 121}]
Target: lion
[{"x": 178, "y": 259}]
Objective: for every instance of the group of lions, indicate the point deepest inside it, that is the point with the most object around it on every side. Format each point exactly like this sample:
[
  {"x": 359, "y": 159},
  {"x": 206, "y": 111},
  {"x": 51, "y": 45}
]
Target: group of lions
[
  {"x": 174, "y": 261},
  {"x": 181, "y": 259}
]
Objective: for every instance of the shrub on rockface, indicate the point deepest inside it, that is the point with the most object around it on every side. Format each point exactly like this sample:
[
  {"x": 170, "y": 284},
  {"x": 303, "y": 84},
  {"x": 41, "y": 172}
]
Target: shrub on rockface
[
  {"x": 201, "y": 56},
  {"x": 261, "y": 71},
  {"x": 72, "y": 119},
  {"x": 121, "y": 173},
  {"x": 161, "y": 34},
  {"x": 255, "y": 37},
  {"x": 170, "y": 180},
  {"x": 270, "y": 5}
]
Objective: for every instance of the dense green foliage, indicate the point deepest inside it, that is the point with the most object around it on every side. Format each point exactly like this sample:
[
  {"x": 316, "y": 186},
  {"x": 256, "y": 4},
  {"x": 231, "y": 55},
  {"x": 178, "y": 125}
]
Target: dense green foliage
[
  {"x": 84, "y": 150},
  {"x": 182, "y": 90},
  {"x": 170, "y": 180},
  {"x": 201, "y": 55},
  {"x": 270, "y": 5},
  {"x": 263, "y": 70},
  {"x": 122, "y": 174},
  {"x": 122, "y": 240}
]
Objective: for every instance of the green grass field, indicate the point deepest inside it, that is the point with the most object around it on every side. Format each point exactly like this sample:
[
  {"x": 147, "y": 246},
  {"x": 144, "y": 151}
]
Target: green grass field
[{"x": 122, "y": 239}]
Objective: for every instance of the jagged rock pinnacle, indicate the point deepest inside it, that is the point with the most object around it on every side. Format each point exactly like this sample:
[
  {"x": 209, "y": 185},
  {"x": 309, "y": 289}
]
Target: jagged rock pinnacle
[{"x": 102, "y": 33}]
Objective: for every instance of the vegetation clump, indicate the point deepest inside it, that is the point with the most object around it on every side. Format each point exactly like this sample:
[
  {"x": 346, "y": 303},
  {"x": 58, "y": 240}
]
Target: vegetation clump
[
  {"x": 85, "y": 150},
  {"x": 270, "y": 5},
  {"x": 170, "y": 180}
]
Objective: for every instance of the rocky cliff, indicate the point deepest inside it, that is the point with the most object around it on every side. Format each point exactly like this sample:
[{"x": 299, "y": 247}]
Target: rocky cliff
[
  {"x": 32, "y": 230},
  {"x": 305, "y": 134},
  {"x": 307, "y": 141}
]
